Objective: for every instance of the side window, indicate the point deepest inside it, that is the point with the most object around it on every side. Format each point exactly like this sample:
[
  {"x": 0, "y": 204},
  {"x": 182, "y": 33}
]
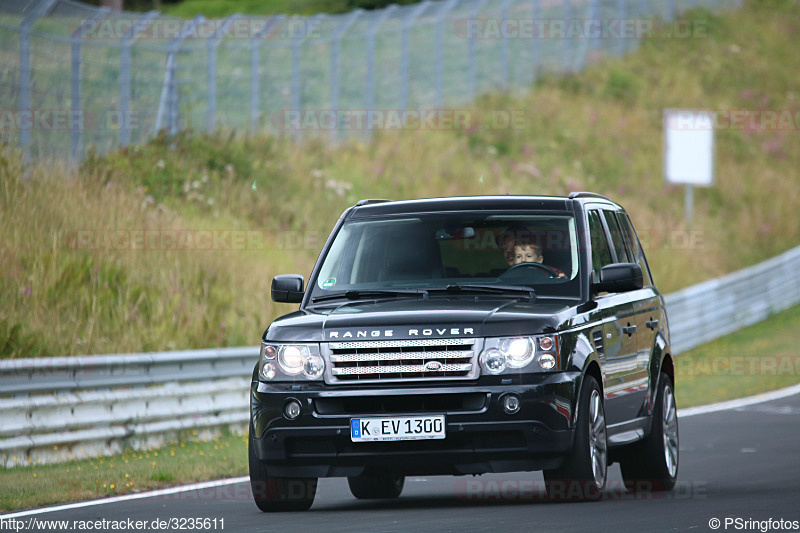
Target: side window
[
  {"x": 616, "y": 237},
  {"x": 632, "y": 243},
  {"x": 601, "y": 253}
]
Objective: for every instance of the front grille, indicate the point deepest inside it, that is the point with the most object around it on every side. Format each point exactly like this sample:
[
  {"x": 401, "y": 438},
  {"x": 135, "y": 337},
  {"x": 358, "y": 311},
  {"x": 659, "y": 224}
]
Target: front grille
[
  {"x": 401, "y": 404},
  {"x": 401, "y": 360}
]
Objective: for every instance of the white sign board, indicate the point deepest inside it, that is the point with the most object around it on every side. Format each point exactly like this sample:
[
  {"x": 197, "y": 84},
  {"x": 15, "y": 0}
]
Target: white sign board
[{"x": 689, "y": 146}]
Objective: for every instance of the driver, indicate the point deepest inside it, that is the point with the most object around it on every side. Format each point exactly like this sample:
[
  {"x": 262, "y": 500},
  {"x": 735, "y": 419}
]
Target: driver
[
  {"x": 520, "y": 246},
  {"x": 532, "y": 253}
]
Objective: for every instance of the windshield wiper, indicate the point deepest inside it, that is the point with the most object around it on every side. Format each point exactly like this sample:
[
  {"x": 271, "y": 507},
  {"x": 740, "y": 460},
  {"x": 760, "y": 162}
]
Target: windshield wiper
[
  {"x": 489, "y": 289},
  {"x": 370, "y": 293}
]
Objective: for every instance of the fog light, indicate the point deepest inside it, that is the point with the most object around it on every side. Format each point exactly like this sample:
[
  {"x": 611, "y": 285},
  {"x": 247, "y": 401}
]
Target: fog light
[
  {"x": 511, "y": 404},
  {"x": 292, "y": 409}
]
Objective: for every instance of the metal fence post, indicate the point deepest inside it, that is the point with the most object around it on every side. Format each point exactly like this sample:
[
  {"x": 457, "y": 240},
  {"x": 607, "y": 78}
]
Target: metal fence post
[
  {"x": 506, "y": 71},
  {"x": 211, "y": 97},
  {"x": 535, "y": 40},
  {"x": 125, "y": 76},
  {"x": 25, "y": 72},
  {"x": 438, "y": 68},
  {"x": 472, "y": 43},
  {"x": 369, "y": 96},
  {"x": 255, "y": 77},
  {"x": 336, "y": 41},
  {"x": 76, "y": 126},
  {"x": 596, "y": 40},
  {"x": 566, "y": 49},
  {"x": 580, "y": 57},
  {"x": 621, "y": 48},
  {"x": 296, "y": 88},
  {"x": 167, "y": 116},
  {"x": 404, "y": 60}
]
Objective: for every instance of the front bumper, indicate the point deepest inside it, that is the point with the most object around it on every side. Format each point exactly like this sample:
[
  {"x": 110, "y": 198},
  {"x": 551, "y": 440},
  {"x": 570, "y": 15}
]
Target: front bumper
[{"x": 481, "y": 437}]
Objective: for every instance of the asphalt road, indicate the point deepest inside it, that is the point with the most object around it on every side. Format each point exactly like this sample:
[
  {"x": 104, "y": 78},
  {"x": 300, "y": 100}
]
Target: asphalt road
[{"x": 742, "y": 463}]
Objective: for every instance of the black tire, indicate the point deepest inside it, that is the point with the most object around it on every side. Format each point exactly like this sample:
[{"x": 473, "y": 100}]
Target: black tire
[
  {"x": 278, "y": 494},
  {"x": 651, "y": 465},
  {"x": 582, "y": 475},
  {"x": 376, "y": 486}
]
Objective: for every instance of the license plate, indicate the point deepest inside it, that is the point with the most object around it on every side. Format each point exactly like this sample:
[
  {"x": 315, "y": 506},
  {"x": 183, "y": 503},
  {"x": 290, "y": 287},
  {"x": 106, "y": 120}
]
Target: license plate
[{"x": 397, "y": 428}]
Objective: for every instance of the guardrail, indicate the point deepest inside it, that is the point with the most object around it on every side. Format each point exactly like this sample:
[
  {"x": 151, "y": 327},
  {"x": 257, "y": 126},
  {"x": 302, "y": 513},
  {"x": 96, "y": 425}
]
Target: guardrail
[
  {"x": 716, "y": 307},
  {"x": 56, "y": 409}
]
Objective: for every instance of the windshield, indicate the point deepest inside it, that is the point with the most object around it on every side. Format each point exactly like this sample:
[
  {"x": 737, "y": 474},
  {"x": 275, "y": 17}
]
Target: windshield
[{"x": 436, "y": 251}]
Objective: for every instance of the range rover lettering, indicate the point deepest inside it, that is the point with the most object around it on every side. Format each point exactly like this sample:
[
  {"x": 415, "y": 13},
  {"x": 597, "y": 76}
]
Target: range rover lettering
[{"x": 462, "y": 336}]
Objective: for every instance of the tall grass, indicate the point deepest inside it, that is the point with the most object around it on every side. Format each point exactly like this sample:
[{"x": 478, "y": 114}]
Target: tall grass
[{"x": 599, "y": 130}]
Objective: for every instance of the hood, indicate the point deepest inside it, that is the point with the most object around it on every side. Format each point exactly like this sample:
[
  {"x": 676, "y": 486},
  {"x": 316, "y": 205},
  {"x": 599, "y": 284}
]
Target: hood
[{"x": 422, "y": 318}]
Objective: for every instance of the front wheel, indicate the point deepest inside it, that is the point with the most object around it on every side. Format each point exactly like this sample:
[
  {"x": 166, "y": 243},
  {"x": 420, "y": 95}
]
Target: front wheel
[
  {"x": 273, "y": 494},
  {"x": 652, "y": 463},
  {"x": 582, "y": 475}
]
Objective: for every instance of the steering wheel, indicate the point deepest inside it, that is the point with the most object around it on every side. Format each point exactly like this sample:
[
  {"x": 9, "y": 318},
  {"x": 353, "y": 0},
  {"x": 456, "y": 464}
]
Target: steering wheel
[{"x": 540, "y": 266}]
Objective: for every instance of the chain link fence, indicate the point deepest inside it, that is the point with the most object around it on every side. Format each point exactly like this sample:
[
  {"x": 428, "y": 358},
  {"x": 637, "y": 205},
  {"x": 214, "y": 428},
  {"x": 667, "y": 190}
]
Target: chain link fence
[{"x": 74, "y": 76}]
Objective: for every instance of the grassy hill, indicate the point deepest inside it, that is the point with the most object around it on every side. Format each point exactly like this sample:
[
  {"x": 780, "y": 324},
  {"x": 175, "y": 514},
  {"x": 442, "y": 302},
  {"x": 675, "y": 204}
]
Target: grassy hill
[{"x": 600, "y": 130}]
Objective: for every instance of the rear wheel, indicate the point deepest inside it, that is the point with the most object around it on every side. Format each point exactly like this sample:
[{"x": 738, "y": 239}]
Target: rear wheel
[
  {"x": 582, "y": 475},
  {"x": 373, "y": 486},
  {"x": 273, "y": 494},
  {"x": 652, "y": 463}
]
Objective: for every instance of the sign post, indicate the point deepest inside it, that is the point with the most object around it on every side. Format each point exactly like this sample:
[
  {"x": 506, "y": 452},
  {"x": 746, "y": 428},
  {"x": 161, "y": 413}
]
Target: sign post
[{"x": 689, "y": 152}]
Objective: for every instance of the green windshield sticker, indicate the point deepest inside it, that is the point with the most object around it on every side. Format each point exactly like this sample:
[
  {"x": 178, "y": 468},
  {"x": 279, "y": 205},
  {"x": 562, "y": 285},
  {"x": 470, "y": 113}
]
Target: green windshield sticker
[{"x": 328, "y": 283}]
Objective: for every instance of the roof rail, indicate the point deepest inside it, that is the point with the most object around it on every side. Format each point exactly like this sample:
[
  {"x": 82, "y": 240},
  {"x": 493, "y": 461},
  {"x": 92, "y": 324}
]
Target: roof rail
[
  {"x": 367, "y": 201},
  {"x": 584, "y": 194}
]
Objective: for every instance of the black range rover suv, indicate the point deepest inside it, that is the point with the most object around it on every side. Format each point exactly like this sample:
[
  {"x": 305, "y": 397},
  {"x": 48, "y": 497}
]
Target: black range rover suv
[{"x": 464, "y": 336}]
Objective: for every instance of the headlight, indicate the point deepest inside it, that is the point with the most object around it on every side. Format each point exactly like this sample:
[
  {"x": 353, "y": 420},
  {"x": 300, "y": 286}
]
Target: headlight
[
  {"x": 290, "y": 361},
  {"x": 519, "y": 351},
  {"x": 526, "y": 354},
  {"x": 493, "y": 361},
  {"x": 313, "y": 367},
  {"x": 292, "y": 357}
]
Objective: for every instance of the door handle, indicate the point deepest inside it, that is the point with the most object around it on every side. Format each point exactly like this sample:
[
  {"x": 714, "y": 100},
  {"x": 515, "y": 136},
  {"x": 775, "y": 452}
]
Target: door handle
[
  {"x": 629, "y": 330},
  {"x": 652, "y": 324}
]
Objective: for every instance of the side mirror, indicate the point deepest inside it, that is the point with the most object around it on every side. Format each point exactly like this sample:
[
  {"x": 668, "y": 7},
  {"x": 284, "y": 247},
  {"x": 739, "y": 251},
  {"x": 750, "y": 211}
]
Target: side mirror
[
  {"x": 287, "y": 288},
  {"x": 620, "y": 277}
]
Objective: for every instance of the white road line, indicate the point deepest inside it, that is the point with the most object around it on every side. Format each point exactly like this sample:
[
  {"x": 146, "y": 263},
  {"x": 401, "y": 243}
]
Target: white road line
[
  {"x": 682, "y": 413},
  {"x": 128, "y": 497},
  {"x": 740, "y": 402}
]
